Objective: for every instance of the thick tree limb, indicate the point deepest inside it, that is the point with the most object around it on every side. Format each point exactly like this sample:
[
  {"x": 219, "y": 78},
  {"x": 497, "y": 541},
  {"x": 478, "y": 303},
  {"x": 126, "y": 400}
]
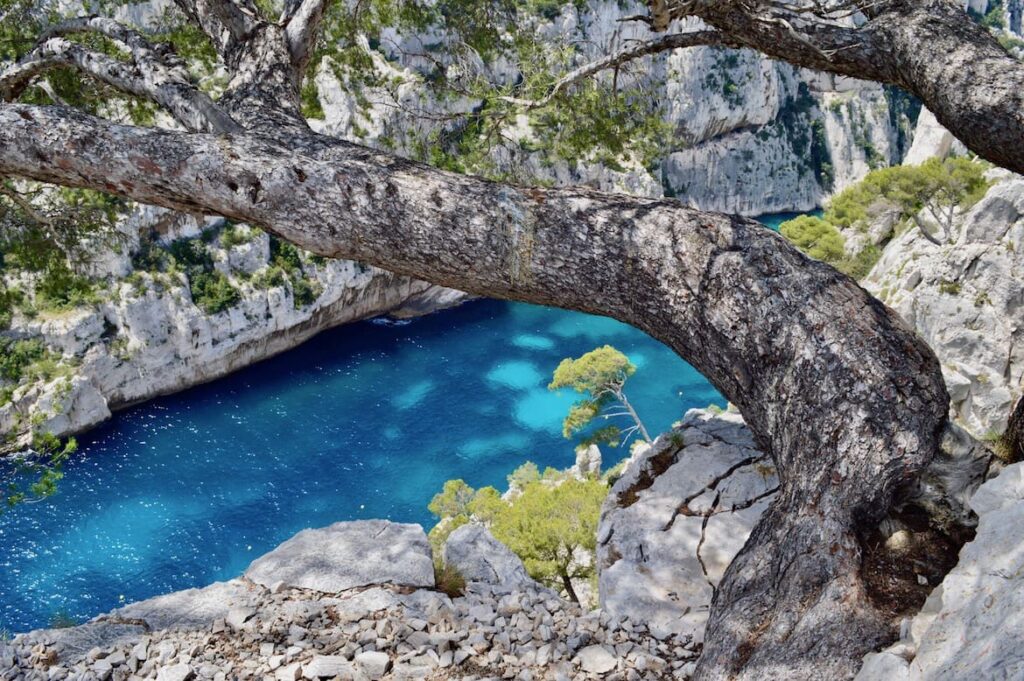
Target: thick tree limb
[
  {"x": 146, "y": 77},
  {"x": 845, "y": 398},
  {"x": 301, "y": 29}
]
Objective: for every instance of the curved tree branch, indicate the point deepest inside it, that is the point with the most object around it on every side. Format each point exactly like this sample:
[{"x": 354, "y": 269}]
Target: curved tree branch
[
  {"x": 643, "y": 49},
  {"x": 302, "y": 25},
  {"x": 845, "y": 398}
]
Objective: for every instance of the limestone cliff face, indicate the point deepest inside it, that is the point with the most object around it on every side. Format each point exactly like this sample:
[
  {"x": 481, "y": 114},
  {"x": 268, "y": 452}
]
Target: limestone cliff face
[
  {"x": 751, "y": 135},
  {"x": 147, "y": 336},
  {"x": 965, "y": 299},
  {"x": 675, "y": 519}
]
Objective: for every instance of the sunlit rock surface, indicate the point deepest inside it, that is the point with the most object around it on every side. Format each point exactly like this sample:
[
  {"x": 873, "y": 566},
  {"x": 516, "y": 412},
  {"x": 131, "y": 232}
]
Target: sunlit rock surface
[
  {"x": 673, "y": 522},
  {"x": 148, "y": 337},
  {"x": 965, "y": 298},
  {"x": 384, "y": 628},
  {"x": 347, "y": 555}
]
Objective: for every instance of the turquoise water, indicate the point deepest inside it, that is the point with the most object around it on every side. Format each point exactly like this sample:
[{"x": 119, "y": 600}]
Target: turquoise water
[
  {"x": 364, "y": 421},
  {"x": 775, "y": 220}
]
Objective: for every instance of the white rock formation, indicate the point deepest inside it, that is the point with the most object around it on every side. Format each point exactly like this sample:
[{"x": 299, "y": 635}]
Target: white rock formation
[
  {"x": 348, "y": 555},
  {"x": 971, "y": 625},
  {"x": 588, "y": 462},
  {"x": 930, "y": 140},
  {"x": 965, "y": 300},
  {"x": 684, "y": 508},
  {"x": 476, "y": 555},
  {"x": 149, "y": 338},
  {"x": 673, "y": 522},
  {"x": 752, "y": 135}
]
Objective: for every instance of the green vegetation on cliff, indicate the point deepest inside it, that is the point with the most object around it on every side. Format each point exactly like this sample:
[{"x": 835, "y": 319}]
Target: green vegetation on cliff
[
  {"x": 34, "y": 476},
  {"x": 550, "y": 522},
  {"x": 886, "y": 202}
]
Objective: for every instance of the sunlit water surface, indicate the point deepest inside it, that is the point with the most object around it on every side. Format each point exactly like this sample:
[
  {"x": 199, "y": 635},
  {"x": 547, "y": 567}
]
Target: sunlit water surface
[{"x": 364, "y": 421}]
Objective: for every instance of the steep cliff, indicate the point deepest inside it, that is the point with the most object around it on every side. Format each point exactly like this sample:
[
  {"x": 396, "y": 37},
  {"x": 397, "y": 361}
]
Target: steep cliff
[
  {"x": 145, "y": 333},
  {"x": 749, "y": 135},
  {"x": 965, "y": 299}
]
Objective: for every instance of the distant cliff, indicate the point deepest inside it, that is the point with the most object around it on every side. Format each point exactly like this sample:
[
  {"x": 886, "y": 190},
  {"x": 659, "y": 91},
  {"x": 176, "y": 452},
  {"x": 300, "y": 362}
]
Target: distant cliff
[{"x": 149, "y": 330}]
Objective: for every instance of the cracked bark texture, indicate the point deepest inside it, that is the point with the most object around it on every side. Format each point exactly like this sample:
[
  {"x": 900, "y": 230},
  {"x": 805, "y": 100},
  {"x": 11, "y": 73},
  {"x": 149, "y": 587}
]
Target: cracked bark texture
[{"x": 846, "y": 399}]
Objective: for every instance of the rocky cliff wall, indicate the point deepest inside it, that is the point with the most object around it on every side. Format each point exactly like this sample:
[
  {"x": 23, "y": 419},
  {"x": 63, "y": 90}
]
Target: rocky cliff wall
[
  {"x": 750, "y": 135},
  {"x": 965, "y": 298},
  {"x": 146, "y": 336}
]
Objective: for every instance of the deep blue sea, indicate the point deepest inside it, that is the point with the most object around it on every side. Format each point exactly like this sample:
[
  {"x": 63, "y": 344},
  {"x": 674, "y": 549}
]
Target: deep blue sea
[{"x": 364, "y": 421}]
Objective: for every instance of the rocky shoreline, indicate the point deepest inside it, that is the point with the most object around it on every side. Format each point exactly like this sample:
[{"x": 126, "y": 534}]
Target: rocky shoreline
[{"x": 360, "y": 600}]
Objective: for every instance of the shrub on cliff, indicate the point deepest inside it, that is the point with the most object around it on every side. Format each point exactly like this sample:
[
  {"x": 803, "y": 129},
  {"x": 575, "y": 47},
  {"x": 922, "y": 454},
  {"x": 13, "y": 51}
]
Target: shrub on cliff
[
  {"x": 928, "y": 196},
  {"x": 35, "y": 476},
  {"x": 551, "y": 524},
  {"x": 816, "y": 237},
  {"x": 211, "y": 291}
]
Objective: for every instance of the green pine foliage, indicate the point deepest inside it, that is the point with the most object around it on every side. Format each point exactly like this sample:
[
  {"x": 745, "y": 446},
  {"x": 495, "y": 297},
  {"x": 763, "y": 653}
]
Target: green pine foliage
[
  {"x": 816, "y": 237},
  {"x": 903, "y": 190},
  {"x": 547, "y": 524},
  {"x": 600, "y": 377},
  {"x": 34, "y": 476},
  {"x": 211, "y": 290}
]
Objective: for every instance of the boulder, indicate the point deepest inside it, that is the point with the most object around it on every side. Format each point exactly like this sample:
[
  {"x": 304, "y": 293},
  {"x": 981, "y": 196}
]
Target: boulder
[
  {"x": 474, "y": 552},
  {"x": 175, "y": 672},
  {"x": 327, "y": 667},
  {"x": 374, "y": 664},
  {"x": 655, "y": 563},
  {"x": 596, "y": 660},
  {"x": 971, "y": 625},
  {"x": 347, "y": 555}
]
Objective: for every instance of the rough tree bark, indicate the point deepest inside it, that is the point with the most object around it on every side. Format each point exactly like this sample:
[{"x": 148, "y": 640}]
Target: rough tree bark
[{"x": 846, "y": 399}]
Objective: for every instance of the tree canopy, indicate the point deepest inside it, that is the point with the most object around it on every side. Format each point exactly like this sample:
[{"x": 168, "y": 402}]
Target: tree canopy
[
  {"x": 550, "y": 522},
  {"x": 600, "y": 375},
  {"x": 927, "y": 196}
]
